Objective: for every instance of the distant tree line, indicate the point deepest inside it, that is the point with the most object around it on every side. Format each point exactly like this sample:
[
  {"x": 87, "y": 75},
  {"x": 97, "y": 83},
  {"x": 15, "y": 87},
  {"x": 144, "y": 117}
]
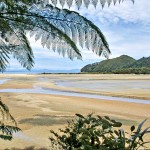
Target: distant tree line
[{"x": 120, "y": 65}]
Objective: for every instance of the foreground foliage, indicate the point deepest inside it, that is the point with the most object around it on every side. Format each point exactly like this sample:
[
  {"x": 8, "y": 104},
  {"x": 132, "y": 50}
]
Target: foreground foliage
[
  {"x": 8, "y": 125},
  {"x": 98, "y": 133}
]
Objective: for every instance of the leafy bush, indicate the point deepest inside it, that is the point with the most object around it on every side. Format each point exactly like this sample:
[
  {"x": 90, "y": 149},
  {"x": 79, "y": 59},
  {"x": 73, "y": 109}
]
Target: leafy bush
[{"x": 97, "y": 133}]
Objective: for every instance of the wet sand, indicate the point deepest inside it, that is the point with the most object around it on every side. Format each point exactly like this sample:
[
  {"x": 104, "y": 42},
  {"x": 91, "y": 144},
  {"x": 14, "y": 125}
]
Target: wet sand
[{"x": 36, "y": 114}]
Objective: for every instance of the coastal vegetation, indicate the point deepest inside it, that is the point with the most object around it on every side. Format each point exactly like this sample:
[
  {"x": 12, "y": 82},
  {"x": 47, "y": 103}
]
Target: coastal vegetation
[
  {"x": 120, "y": 65},
  {"x": 98, "y": 133}
]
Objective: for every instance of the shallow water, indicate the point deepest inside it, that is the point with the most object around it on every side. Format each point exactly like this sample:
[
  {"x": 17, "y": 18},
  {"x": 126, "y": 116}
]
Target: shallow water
[
  {"x": 95, "y": 85},
  {"x": 107, "y": 84},
  {"x": 69, "y": 93},
  {"x": 2, "y": 81}
]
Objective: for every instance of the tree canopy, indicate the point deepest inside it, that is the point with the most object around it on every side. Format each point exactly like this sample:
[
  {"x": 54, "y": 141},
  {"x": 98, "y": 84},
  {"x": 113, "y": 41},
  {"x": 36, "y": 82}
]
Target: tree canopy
[{"x": 60, "y": 30}]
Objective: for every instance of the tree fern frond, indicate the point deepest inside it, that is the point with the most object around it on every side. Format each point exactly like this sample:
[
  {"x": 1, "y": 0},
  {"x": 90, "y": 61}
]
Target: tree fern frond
[
  {"x": 94, "y": 2},
  {"x": 4, "y": 55},
  {"x": 13, "y": 29},
  {"x": 8, "y": 130},
  {"x": 58, "y": 30},
  {"x": 6, "y": 137},
  {"x": 62, "y": 3},
  {"x": 109, "y": 2},
  {"x": 5, "y": 114},
  {"x": 49, "y": 32},
  {"x": 19, "y": 47},
  {"x": 115, "y": 1},
  {"x": 8, "y": 125},
  {"x": 78, "y": 3},
  {"x": 80, "y": 28},
  {"x": 69, "y": 3},
  {"x": 86, "y": 2},
  {"x": 81, "y": 33},
  {"x": 103, "y": 2},
  {"x": 54, "y": 2}
]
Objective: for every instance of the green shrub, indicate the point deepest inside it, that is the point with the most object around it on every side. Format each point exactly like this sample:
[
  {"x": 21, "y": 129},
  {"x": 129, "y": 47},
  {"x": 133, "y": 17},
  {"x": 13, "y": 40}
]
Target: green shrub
[{"x": 97, "y": 133}]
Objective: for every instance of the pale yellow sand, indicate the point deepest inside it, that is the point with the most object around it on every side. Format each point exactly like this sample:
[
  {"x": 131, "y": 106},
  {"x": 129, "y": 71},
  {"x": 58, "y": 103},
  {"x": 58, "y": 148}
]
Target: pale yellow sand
[{"x": 33, "y": 110}]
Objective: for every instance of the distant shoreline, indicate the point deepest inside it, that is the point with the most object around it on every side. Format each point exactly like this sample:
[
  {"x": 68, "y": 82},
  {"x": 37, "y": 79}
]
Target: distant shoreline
[{"x": 34, "y": 73}]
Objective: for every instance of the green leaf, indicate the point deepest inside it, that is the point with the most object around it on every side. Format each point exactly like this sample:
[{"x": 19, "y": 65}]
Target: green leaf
[
  {"x": 140, "y": 126},
  {"x": 6, "y": 137},
  {"x": 107, "y": 117},
  {"x": 80, "y": 116},
  {"x": 116, "y": 132},
  {"x": 132, "y": 128}
]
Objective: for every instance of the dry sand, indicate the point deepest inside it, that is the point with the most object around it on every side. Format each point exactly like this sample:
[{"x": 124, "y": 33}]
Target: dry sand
[{"x": 36, "y": 114}]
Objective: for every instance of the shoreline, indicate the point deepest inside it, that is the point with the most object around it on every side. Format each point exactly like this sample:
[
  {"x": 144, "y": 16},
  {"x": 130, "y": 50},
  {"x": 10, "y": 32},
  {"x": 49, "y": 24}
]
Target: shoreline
[
  {"x": 30, "y": 110},
  {"x": 52, "y": 84},
  {"x": 36, "y": 114}
]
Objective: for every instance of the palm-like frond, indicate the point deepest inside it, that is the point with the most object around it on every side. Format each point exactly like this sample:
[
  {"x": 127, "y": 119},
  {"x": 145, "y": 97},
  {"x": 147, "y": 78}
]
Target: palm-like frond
[
  {"x": 14, "y": 26},
  {"x": 5, "y": 114},
  {"x": 58, "y": 29},
  {"x": 78, "y": 3},
  {"x": 4, "y": 55},
  {"x": 49, "y": 35},
  {"x": 13, "y": 41},
  {"x": 18, "y": 46},
  {"x": 6, "y": 131},
  {"x": 79, "y": 29}
]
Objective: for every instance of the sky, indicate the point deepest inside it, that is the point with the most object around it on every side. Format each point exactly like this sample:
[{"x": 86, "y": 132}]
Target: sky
[{"x": 125, "y": 26}]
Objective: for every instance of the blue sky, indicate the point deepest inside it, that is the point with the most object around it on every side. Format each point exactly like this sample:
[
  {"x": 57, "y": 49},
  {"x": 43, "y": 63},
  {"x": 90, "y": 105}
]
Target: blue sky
[{"x": 126, "y": 27}]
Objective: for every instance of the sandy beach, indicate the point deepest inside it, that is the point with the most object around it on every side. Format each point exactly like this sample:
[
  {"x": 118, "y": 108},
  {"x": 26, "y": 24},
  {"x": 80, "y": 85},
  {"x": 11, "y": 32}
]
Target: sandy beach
[{"x": 36, "y": 114}]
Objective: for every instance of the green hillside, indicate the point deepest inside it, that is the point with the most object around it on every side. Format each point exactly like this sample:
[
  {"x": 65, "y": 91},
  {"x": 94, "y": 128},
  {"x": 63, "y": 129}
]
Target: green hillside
[
  {"x": 109, "y": 65},
  {"x": 143, "y": 62},
  {"x": 120, "y": 65}
]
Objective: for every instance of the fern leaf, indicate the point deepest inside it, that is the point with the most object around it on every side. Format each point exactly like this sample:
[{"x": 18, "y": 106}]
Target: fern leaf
[
  {"x": 81, "y": 29},
  {"x": 94, "y": 2},
  {"x": 62, "y": 3},
  {"x": 103, "y": 2},
  {"x": 54, "y": 2},
  {"x": 78, "y": 3},
  {"x": 86, "y": 3},
  {"x": 109, "y": 2},
  {"x": 69, "y": 3}
]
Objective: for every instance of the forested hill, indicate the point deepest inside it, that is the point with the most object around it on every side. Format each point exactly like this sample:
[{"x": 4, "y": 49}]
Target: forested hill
[
  {"x": 143, "y": 62},
  {"x": 109, "y": 64},
  {"x": 122, "y": 64}
]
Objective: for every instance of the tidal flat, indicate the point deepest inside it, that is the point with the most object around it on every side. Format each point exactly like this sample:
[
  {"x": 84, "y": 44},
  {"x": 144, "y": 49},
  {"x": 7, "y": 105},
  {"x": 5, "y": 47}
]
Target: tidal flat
[{"x": 41, "y": 111}]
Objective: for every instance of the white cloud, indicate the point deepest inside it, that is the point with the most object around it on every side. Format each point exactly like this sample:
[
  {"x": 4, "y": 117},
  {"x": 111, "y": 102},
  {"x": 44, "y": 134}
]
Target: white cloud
[{"x": 139, "y": 12}]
